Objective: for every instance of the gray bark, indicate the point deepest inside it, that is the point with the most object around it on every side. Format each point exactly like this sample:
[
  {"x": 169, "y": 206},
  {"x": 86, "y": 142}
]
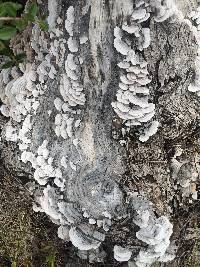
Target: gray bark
[{"x": 102, "y": 162}]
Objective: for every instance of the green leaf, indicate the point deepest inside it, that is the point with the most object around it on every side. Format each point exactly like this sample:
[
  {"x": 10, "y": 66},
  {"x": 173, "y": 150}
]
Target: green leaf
[
  {"x": 14, "y": 5},
  {"x": 8, "y": 64},
  {"x": 20, "y": 57},
  {"x": 2, "y": 12},
  {"x": 9, "y": 9},
  {"x": 7, "y": 32},
  {"x": 6, "y": 51},
  {"x": 20, "y": 24},
  {"x": 43, "y": 25},
  {"x": 51, "y": 259},
  {"x": 1, "y": 23},
  {"x": 31, "y": 11}
]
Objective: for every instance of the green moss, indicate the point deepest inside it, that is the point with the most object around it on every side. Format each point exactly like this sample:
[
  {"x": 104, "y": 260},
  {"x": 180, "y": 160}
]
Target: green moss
[{"x": 24, "y": 240}]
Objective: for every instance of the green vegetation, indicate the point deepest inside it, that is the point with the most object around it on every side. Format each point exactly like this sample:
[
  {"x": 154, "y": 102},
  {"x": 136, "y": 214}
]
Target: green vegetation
[
  {"x": 25, "y": 239},
  {"x": 16, "y": 243},
  {"x": 49, "y": 253},
  {"x": 14, "y": 18}
]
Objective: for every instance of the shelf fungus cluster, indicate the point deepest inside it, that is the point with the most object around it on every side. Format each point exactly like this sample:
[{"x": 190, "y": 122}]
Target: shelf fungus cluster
[
  {"x": 45, "y": 103},
  {"x": 155, "y": 232},
  {"x": 71, "y": 88},
  {"x": 22, "y": 88},
  {"x": 132, "y": 104},
  {"x": 85, "y": 233},
  {"x": 164, "y": 10},
  {"x": 194, "y": 87},
  {"x": 19, "y": 92},
  {"x": 184, "y": 172}
]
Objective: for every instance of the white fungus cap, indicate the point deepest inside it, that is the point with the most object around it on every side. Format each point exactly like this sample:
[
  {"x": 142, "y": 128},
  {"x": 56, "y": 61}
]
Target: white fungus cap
[
  {"x": 85, "y": 238},
  {"x": 63, "y": 232},
  {"x": 148, "y": 132},
  {"x": 72, "y": 45},
  {"x": 121, "y": 46},
  {"x": 122, "y": 254}
]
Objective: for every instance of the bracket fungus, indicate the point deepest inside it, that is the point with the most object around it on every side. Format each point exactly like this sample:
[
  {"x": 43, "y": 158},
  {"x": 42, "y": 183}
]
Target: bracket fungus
[
  {"x": 122, "y": 254},
  {"x": 132, "y": 104},
  {"x": 78, "y": 175},
  {"x": 194, "y": 86},
  {"x": 85, "y": 238}
]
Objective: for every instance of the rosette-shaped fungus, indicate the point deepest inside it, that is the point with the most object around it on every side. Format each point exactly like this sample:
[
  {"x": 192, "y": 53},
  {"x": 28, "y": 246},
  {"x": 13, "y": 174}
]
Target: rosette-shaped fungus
[
  {"x": 96, "y": 194},
  {"x": 85, "y": 238}
]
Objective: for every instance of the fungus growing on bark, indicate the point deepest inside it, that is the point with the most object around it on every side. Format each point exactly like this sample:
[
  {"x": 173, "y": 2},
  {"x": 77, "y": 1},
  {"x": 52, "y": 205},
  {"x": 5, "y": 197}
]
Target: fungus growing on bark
[
  {"x": 63, "y": 232},
  {"x": 151, "y": 130},
  {"x": 95, "y": 196},
  {"x": 85, "y": 238},
  {"x": 53, "y": 13},
  {"x": 132, "y": 103},
  {"x": 72, "y": 45},
  {"x": 194, "y": 86},
  {"x": 165, "y": 10},
  {"x": 122, "y": 254}
]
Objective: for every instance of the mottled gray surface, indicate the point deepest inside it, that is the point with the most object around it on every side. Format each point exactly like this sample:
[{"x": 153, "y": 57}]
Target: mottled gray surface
[{"x": 101, "y": 161}]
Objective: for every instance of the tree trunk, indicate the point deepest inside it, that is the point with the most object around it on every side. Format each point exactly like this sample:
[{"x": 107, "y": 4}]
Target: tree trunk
[{"x": 114, "y": 181}]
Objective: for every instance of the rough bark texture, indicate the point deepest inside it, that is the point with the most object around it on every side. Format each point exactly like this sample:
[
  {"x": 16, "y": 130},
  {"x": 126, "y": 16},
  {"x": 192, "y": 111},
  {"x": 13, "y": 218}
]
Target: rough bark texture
[{"x": 134, "y": 166}]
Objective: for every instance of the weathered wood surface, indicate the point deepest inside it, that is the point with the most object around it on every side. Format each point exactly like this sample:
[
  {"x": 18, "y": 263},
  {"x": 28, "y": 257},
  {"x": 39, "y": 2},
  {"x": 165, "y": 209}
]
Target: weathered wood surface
[{"x": 100, "y": 158}]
